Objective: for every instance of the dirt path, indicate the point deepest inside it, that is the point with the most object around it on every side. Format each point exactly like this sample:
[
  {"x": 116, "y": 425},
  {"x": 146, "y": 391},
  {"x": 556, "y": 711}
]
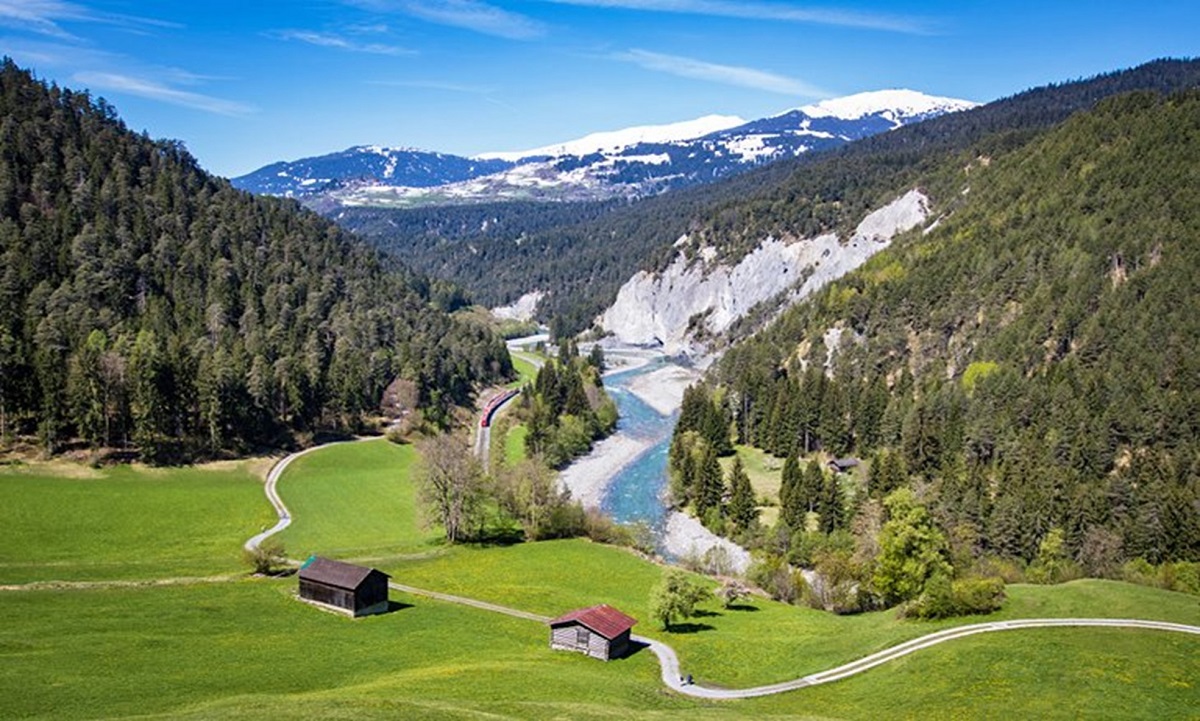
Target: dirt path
[
  {"x": 285, "y": 517},
  {"x": 142, "y": 583}
]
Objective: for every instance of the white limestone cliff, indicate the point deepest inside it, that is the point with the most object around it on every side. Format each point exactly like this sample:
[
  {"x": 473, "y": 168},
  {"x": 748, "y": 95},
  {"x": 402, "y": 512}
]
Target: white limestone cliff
[{"x": 656, "y": 308}]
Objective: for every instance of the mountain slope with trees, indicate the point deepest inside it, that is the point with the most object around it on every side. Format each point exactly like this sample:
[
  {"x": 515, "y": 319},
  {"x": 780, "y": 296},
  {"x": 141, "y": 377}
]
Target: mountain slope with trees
[
  {"x": 1025, "y": 370},
  {"x": 580, "y": 254},
  {"x": 146, "y": 304}
]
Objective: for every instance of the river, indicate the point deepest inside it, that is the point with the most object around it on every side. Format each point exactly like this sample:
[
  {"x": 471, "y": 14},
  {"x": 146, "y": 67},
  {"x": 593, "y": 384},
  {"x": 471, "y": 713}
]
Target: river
[{"x": 637, "y": 492}]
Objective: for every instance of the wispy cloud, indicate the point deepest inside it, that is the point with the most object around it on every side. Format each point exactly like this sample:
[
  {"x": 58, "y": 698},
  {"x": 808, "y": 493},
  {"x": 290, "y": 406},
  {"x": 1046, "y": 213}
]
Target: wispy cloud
[
  {"x": 724, "y": 74},
  {"x": 750, "y": 10},
  {"x": 41, "y": 16},
  {"x": 157, "y": 90},
  {"x": 435, "y": 85},
  {"x": 45, "y": 17},
  {"x": 469, "y": 14},
  {"x": 331, "y": 40}
]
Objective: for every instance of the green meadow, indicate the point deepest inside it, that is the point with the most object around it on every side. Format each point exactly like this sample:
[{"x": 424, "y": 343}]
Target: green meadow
[
  {"x": 67, "y": 522},
  {"x": 353, "y": 500},
  {"x": 525, "y": 364},
  {"x": 247, "y": 648}
]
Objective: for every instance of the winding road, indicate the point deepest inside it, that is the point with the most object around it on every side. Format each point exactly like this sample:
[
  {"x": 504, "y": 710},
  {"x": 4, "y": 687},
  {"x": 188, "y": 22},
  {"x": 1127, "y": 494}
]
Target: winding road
[{"x": 672, "y": 673}]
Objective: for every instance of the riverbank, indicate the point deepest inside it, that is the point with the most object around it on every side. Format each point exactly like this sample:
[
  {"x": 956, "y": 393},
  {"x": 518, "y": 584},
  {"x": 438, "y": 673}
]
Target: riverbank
[
  {"x": 589, "y": 477},
  {"x": 686, "y": 537},
  {"x": 663, "y": 389},
  {"x": 592, "y": 478}
]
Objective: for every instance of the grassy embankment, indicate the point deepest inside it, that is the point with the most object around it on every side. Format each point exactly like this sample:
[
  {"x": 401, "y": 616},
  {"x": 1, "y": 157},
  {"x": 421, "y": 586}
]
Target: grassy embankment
[
  {"x": 512, "y": 440},
  {"x": 247, "y": 648}
]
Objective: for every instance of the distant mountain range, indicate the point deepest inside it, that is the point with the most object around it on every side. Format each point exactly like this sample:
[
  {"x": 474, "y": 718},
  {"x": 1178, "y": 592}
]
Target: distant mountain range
[{"x": 634, "y": 162}]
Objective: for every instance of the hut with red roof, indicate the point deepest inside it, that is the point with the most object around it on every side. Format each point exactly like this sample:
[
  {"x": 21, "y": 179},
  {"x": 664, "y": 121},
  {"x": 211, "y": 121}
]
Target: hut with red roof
[{"x": 599, "y": 631}]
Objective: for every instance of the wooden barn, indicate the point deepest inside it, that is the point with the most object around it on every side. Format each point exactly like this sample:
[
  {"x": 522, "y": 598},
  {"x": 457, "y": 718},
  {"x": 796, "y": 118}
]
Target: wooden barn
[
  {"x": 843, "y": 465},
  {"x": 600, "y": 631},
  {"x": 344, "y": 587}
]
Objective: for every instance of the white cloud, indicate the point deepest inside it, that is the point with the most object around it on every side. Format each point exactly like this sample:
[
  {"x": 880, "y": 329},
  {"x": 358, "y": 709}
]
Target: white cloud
[
  {"x": 724, "y": 74},
  {"x": 156, "y": 90},
  {"x": 43, "y": 17},
  {"x": 330, "y": 40},
  {"x": 751, "y": 10},
  {"x": 469, "y": 14}
]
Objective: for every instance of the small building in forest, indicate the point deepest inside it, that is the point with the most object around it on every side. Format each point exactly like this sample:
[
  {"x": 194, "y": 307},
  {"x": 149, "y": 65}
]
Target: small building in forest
[
  {"x": 599, "y": 631},
  {"x": 843, "y": 465},
  {"x": 344, "y": 587}
]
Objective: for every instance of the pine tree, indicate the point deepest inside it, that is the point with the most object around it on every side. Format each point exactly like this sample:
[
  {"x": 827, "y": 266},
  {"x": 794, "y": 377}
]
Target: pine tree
[
  {"x": 791, "y": 502},
  {"x": 742, "y": 509},
  {"x": 710, "y": 481}
]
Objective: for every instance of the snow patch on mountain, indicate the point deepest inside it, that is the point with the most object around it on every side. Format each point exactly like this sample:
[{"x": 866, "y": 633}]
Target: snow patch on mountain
[
  {"x": 669, "y": 308},
  {"x": 896, "y": 103},
  {"x": 616, "y": 140}
]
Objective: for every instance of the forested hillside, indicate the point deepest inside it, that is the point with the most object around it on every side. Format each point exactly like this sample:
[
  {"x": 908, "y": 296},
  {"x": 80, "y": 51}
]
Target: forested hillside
[
  {"x": 581, "y": 253},
  {"x": 1028, "y": 366},
  {"x": 145, "y": 304}
]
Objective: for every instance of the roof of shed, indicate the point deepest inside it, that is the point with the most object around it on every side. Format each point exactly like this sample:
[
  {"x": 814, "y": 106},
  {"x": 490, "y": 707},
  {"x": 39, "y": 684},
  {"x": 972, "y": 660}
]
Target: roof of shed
[
  {"x": 335, "y": 573},
  {"x": 603, "y": 619}
]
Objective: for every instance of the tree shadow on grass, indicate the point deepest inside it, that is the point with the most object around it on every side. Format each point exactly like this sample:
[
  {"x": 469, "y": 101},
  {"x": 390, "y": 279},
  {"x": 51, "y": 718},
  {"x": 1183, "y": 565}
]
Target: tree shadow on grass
[
  {"x": 705, "y": 613},
  {"x": 689, "y": 627},
  {"x": 741, "y": 607}
]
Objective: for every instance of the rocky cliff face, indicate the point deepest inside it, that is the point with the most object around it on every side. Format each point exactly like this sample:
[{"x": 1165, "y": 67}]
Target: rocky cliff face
[{"x": 676, "y": 308}]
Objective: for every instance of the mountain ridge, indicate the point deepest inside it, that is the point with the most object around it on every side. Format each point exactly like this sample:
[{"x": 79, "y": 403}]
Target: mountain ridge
[{"x": 627, "y": 163}]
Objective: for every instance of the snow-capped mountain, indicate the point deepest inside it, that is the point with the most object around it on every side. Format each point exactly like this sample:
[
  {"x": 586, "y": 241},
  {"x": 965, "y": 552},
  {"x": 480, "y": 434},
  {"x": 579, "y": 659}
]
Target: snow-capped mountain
[
  {"x": 366, "y": 164},
  {"x": 634, "y": 162},
  {"x": 617, "y": 140}
]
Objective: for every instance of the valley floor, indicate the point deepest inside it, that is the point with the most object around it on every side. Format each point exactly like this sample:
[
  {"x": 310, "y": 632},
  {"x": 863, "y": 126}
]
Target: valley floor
[{"x": 245, "y": 647}]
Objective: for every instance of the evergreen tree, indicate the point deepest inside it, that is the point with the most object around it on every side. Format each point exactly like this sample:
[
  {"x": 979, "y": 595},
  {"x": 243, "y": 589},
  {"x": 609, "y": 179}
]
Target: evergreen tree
[
  {"x": 792, "y": 505},
  {"x": 742, "y": 508}
]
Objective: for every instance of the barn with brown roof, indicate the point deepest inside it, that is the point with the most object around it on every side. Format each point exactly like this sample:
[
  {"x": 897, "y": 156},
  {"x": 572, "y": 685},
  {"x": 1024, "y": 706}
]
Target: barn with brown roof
[
  {"x": 600, "y": 631},
  {"x": 344, "y": 587}
]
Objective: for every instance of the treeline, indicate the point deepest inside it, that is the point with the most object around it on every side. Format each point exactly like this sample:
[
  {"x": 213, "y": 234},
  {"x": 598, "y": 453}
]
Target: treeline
[
  {"x": 581, "y": 254},
  {"x": 1021, "y": 379},
  {"x": 147, "y": 305},
  {"x": 566, "y": 409}
]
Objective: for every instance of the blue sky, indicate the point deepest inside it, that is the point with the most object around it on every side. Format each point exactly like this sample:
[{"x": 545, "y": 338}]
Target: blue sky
[{"x": 246, "y": 83}]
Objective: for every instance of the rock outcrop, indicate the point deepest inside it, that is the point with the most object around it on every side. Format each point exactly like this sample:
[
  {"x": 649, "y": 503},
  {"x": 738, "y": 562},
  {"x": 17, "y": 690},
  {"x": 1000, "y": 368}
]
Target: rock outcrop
[{"x": 690, "y": 299}]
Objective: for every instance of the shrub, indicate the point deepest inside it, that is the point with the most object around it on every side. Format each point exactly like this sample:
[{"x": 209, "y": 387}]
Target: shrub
[
  {"x": 268, "y": 558},
  {"x": 778, "y": 580},
  {"x": 943, "y": 598}
]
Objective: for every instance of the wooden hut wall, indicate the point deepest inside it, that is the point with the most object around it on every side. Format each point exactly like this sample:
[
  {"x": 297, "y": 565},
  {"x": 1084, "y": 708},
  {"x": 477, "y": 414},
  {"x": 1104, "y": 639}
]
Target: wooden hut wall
[{"x": 321, "y": 593}]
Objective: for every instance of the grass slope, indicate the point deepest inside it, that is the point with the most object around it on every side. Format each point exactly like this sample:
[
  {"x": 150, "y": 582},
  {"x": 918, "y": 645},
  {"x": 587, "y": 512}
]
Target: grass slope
[
  {"x": 72, "y": 523},
  {"x": 756, "y": 643},
  {"x": 249, "y": 649},
  {"x": 353, "y": 500}
]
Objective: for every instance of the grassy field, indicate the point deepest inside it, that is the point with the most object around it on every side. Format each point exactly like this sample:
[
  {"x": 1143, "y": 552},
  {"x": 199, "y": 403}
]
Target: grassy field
[
  {"x": 525, "y": 366},
  {"x": 73, "y": 523},
  {"x": 354, "y": 501},
  {"x": 756, "y": 643},
  {"x": 764, "y": 471},
  {"x": 514, "y": 443},
  {"x": 247, "y": 648}
]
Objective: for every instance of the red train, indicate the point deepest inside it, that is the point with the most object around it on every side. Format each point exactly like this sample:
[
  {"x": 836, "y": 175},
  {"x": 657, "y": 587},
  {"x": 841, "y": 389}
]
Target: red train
[{"x": 490, "y": 409}]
